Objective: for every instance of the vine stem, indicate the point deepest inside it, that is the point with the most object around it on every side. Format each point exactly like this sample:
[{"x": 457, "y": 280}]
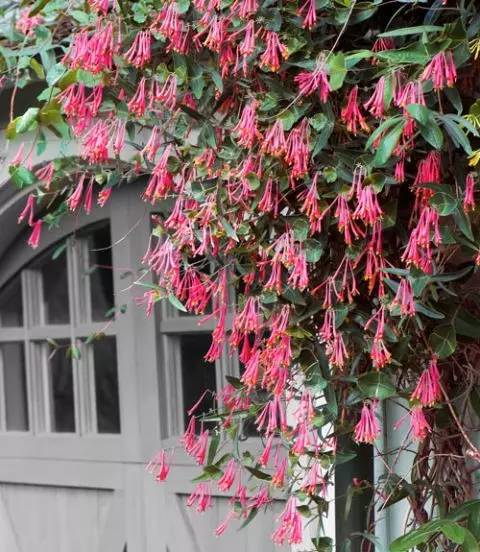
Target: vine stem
[
  {"x": 457, "y": 421},
  {"x": 332, "y": 49}
]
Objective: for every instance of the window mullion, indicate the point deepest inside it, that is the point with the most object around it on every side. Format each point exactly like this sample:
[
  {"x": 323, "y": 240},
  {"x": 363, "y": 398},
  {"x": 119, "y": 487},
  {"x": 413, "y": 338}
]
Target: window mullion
[
  {"x": 87, "y": 408},
  {"x": 31, "y": 299},
  {"x": 75, "y": 304},
  {"x": 3, "y": 406}
]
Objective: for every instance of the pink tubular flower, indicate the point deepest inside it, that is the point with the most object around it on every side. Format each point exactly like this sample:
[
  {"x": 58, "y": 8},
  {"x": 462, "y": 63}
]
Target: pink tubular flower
[
  {"x": 202, "y": 497},
  {"x": 275, "y": 50},
  {"x": 404, "y": 298},
  {"x": 309, "y": 14},
  {"x": 246, "y": 128},
  {"x": 383, "y": 44},
  {"x": 270, "y": 200},
  {"x": 168, "y": 23},
  {"x": 297, "y": 153},
  {"x": 469, "y": 198},
  {"x": 104, "y": 196},
  {"x": 310, "y": 82},
  {"x": 95, "y": 143},
  {"x": 368, "y": 209},
  {"x": 159, "y": 466},
  {"x": 412, "y": 92},
  {"x": 138, "y": 104},
  {"x": 376, "y": 103},
  {"x": 245, "y": 8},
  {"x": 336, "y": 351},
  {"x": 28, "y": 210},
  {"x": 45, "y": 174},
  {"x": 17, "y": 160},
  {"x": 346, "y": 225},
  {"x": 274, "y": 142},
  {"x": 87, "y": 203},
  {"x": 278, "y": 477},
  {"x": 75, "y": 198},
  {"x": 26, "y": 24},
  {"x": 420, "y": 427},
  {"x": 351, "y": 114},
  {"x": 153, "y": 145},
  {"x": 247, "y": 46},
  {"x": 167, "y": 95},
  {"x": 368, "y": 428},
  {"x": 99, "y": 5},
  {"x": 93, "y": 53},
  {"x": 161, "y": 182},
  {"x": 199, "y": 450},
  {"x": 428, "y": 390},
  {"x": 34, "y": 239},
  {"x": 313, "y": 479},
  {"x": 118, "y": 136},
  {"x": 139, "y": 53},
  {"x": 229, "y": 475},
  {"x": 441, "y": 70},
  {"x": 290, "y": 527},
  {"x": 298, "y": 278},
  {"x": 223, "y": 526}
]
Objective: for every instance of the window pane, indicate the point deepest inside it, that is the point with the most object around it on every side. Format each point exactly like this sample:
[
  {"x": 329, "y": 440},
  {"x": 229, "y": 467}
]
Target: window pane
[
  {"x": 15, "y": 382},
  {"x": 197, "y": 374},
  {"x": 106, "y": 385},
  {"x": 11, "y": 304},
  {"x": 61, "y": 391},
  {"x": 54, "y": 286},
  {"x": 101, "y": 277}
]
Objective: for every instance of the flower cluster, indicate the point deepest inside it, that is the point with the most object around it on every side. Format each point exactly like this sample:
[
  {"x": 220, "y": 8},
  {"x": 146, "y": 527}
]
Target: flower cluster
[{"x": 317, "y": 205}]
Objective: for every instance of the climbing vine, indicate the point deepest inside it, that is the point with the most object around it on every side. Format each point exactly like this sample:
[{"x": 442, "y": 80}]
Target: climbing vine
[{"x": 313, "y": 167}]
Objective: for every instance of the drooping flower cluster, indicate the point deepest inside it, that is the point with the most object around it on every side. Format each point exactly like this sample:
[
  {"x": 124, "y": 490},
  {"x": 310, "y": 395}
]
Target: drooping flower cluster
[{"x": 312, "y": 205}]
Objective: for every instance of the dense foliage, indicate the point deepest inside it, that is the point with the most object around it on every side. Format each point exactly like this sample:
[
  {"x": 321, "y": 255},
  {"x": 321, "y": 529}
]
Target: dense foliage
[{"x": 313, "y": 166}]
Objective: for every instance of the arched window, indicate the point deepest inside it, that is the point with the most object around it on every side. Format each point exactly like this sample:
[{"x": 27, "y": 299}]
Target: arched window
[{"x": 57, "y": 340}]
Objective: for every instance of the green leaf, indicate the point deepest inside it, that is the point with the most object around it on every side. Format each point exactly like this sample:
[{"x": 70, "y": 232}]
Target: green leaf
[
  {"x": 387, "y": 145},
  {"x": 212, "y": 449},
  {"x": 463, "y": 223},
  {"x": 432, "y": 134},
  {"x": 412, "y": 54},
  {"x": 426, "y": 532},
  {"x": 182, "y": 6},
  {"x": 444, "y": 203},
  {"x": 454, "y": 532},
  {"x": 443, "y": 340},
  {"x": 404, "y": 31},
  {"x": 388, "y": 123},
  {"x": 37, "y": 68},
  {"x": 457, "y": 134},
  {"x": 304, "y": 510},
  {"x": 376, "y": 385},
  {"x": 313, "y": 250},
  {"x": 420, "y": 113},
  {"x": 471, "y": 507},
  {"x": 21, "y": 176},
  {"x": 318, "y": 121},
  {"x": 229, "y": 230},
  {"x": 251, "y": 516},
  {"x": 301, "y": 229},
  {"x": 176, "y": 303},
  {"x": 466, "y": 324},
  {"x": 337, "y": 71},
  {"x": 259, "y": 474},
  {"x": 38, "y": 7},
  {"x": 470, "y": 543},
  {"x": 28, "y": 120},
  {"x": 322, "y": 544}
]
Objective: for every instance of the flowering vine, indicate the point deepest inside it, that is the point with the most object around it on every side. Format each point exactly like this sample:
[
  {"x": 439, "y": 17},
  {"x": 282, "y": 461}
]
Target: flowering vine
[{"x": 313, "y": 165}]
